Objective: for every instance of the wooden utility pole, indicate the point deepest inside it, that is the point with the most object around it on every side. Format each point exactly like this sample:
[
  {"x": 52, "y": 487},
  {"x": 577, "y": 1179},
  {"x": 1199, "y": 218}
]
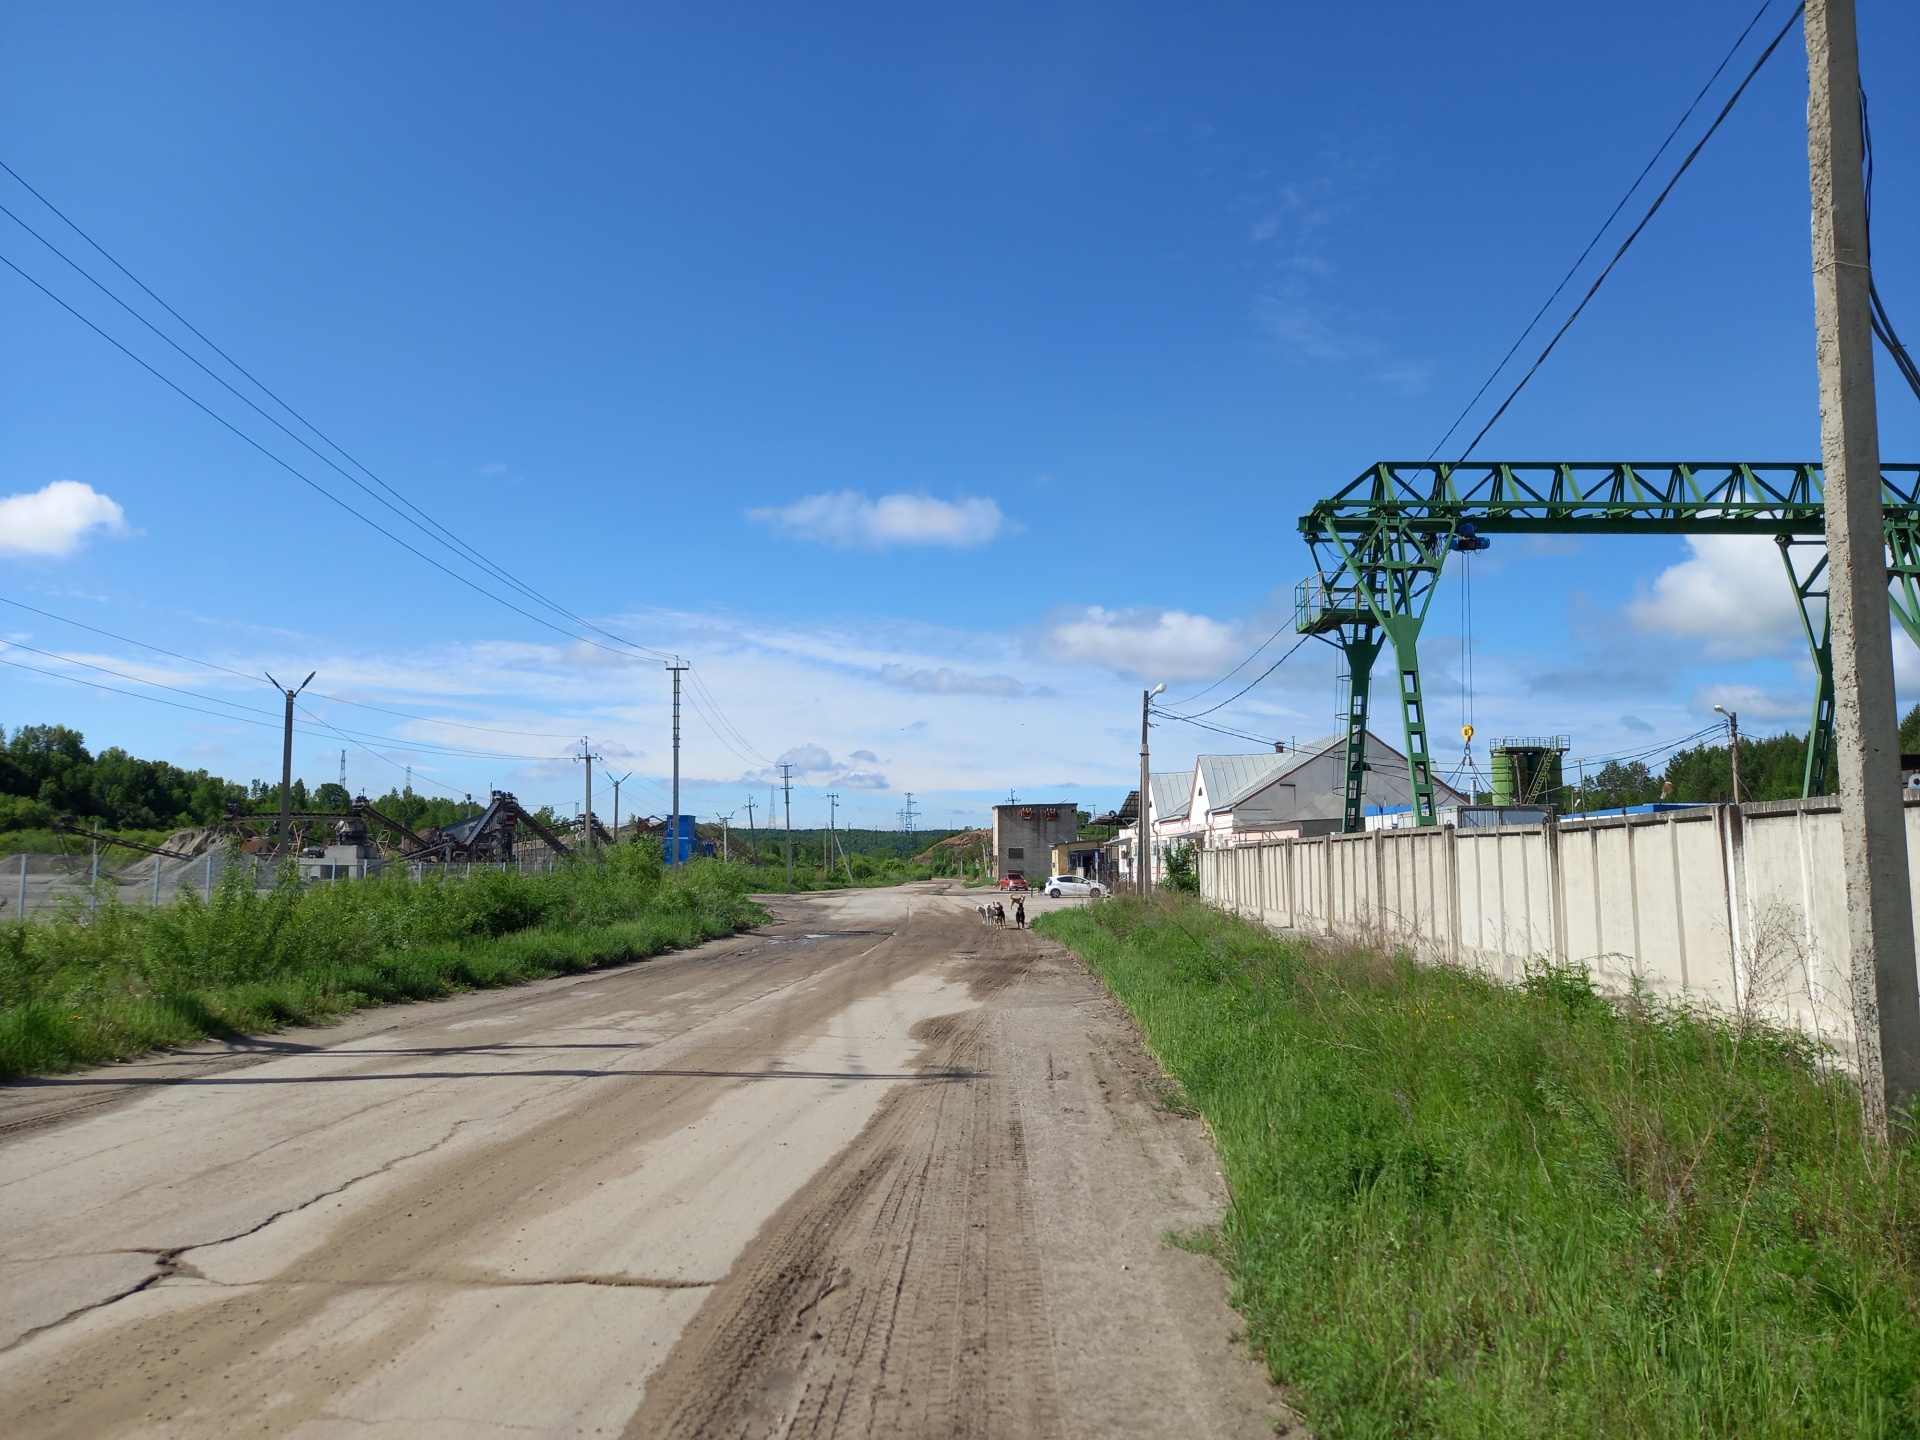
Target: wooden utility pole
[
  {"x": 1866, "y": 737},
  {"x": 1733, "y": 744}
]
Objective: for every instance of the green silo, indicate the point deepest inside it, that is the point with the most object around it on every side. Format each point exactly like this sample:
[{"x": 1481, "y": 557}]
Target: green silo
[{"x": 1527, "y": 770}]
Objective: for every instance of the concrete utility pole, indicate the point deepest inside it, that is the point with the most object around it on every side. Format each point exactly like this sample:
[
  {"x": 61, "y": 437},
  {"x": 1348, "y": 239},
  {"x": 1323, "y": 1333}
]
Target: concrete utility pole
[
  {"x": 1733, "y": 741},
  {"x": 753, "y": 835},
  {"x": 286, "y": 760},
  {"x": 786, "y": 786},
  {"x": 833, "y": 831},
  {"x": 1143, "y": 863},
  {"x": 1866, "y": 736},
  {"x": 618, "y": 781},
  {"x": 677, "y": 670},
  {"x": 587, "y": 756}
]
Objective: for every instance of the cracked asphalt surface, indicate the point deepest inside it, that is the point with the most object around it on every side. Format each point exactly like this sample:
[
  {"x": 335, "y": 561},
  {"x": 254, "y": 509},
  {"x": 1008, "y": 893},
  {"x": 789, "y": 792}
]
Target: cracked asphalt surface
[{"x": 873, "y": 1169}]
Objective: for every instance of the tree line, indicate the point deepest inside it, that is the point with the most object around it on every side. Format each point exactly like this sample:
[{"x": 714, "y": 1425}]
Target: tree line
[
  {"x": 1771, "y": 768},
  {"x": 47, "y": 772}
]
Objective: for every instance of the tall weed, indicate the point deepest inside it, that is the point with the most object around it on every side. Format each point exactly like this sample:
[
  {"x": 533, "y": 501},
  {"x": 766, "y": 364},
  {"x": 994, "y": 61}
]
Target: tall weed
[
  {"x": 1468, "y": 1209},
  {"x": 85, "y": 987}
]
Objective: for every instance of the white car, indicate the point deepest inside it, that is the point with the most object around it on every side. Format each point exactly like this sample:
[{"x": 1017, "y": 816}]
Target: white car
[{"x": 1071, "y": 885}]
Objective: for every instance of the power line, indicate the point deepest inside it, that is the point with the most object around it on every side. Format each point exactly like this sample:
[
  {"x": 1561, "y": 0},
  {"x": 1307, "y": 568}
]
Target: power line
[
  {"x": 243, "y": 675},
  {"x": 1646, "y": 219},
  {"x": 1605, "y": 225},
  {"x": 399, "y": 742},
  {"x": 1189, "y": 699},
  {"x": 1877, "y": 316},
  {"x": 431, "y": 527},
  {"x": 1244, "y": 688},
  {"x": 297, "y": 473},
  {"x": 1217, "y": 729}
]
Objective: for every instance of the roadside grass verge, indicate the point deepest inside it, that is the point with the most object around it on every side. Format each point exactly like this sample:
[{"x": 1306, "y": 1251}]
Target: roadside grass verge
[
  {"x": 1461, "y": 1208},
  {"x": 81, "y": 989}
]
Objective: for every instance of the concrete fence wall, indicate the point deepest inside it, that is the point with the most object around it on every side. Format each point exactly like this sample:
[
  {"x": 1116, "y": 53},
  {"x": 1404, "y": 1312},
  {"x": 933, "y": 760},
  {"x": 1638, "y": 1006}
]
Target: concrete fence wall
[{"x": 1738, "y": 908}]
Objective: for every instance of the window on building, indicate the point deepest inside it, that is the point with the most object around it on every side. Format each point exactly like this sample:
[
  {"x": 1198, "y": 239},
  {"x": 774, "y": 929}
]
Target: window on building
[{"x": 1016, "y": 852}]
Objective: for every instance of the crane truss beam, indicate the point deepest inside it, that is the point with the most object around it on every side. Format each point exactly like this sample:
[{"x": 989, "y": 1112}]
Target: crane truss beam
[{"x": 1380, "y": 545}]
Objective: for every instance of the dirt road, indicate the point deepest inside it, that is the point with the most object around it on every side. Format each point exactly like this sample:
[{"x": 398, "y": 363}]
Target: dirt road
[{"x": 874, "y": 1170}]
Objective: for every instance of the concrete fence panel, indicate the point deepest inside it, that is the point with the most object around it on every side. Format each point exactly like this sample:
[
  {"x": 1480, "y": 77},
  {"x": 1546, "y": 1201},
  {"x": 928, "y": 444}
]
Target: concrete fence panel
[{"x": 1739, "y": 909}]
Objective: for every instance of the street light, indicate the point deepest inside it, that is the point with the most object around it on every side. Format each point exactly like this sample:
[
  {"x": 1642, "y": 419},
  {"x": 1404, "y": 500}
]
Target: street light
[
  {"x": 1733, "y": 745},
  {"x": 1145, "y": 866}
]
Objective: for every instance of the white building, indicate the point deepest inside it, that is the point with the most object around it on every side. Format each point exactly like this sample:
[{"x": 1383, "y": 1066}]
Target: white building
[{"x": 1228, "y": 800}]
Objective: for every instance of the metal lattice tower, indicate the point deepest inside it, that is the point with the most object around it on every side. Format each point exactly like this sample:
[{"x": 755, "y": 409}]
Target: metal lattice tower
[{"x": 1379, "y": 546}]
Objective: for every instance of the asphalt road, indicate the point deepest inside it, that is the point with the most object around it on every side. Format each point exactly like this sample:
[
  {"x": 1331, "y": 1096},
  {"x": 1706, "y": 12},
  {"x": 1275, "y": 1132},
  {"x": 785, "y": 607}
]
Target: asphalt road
[{"x": 873, "y": 1170}]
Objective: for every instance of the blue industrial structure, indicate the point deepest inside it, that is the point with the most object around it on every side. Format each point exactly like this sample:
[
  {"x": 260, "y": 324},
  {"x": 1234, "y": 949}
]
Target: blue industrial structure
[{"x": 677, "y": 839}]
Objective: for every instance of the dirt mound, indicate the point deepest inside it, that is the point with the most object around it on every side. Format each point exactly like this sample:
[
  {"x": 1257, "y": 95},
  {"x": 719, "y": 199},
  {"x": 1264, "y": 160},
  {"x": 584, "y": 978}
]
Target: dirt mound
[{"x": 967, "y": 842}]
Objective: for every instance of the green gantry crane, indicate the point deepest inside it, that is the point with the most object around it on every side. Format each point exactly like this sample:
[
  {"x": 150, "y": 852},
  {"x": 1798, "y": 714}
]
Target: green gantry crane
[{"x": 1379, "y": 545}]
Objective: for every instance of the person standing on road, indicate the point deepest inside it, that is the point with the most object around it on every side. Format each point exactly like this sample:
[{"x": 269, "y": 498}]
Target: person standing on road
[{"x": 1020, "y": 914}]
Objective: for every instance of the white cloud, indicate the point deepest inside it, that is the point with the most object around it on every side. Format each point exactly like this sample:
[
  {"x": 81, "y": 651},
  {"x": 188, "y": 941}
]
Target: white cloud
[
  {"x": 1751, "y": 703},
  {"x": 57, "y": 520},
  {"x": 1730, "y": 596},
  {"x": 849, "y": 520},
  {"x": 948, "y": 681},
  {"x": 1141, "y": 641}
]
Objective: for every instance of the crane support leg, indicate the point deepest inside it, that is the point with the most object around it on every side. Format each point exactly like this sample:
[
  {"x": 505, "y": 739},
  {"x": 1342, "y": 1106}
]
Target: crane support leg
[
  {"x": 1404, "y": 631},
  {"x": 1360, "y": 644},
  {"x": 1903, "y": 575},
  {"x": 1809, "y": 593}
]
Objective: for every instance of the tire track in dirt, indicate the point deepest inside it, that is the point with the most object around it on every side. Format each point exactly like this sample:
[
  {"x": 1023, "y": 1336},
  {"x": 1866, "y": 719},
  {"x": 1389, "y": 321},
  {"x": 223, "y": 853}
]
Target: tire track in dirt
[{"x": 900, "y": 1293}]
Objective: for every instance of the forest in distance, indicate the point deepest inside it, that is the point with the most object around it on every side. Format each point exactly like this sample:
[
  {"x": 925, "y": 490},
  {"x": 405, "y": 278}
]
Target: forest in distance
[
  {"x": 1771, "y": 768},
  {"x": 48, "y": 773}
]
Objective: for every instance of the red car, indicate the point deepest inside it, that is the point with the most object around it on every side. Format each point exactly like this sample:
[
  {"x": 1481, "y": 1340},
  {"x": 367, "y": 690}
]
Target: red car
[{"x": 1013, "y": 880}]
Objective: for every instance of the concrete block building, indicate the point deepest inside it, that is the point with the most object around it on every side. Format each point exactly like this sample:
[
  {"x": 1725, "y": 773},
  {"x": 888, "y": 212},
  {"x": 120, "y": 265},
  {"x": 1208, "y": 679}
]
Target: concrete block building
[{"x": 1024, "y": 835}]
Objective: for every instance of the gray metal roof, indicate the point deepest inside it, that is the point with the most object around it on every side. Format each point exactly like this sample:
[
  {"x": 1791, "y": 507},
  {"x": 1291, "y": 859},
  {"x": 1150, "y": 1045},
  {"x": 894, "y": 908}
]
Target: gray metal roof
[
  {"x": 1172, "y": 794},
  {"x": 1376, "y": 747},
  {"x": 1229, "y": 778}
]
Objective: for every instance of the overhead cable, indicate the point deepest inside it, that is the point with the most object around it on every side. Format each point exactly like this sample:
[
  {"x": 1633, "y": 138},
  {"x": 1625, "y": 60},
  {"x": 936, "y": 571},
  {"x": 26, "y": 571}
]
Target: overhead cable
[
  {"x": 1217, "y": 729},
  {"x": 1627, "y": 244},
  {"x": 1244, "y": 688},
  {"x": 425, "y": 522},
  {"x": 249, "y": 677},
  {"x": 1881, "y": 321},
  {"x": 1258, "y": 649},
  {"x": 423, "y": 746},
  {"x": 1605, "y": 225}
]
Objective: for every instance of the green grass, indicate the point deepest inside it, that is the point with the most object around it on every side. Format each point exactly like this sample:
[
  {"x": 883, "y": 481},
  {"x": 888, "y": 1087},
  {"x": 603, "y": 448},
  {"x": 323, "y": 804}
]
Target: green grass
[
  {"x": 1466, "y": 1209},
  {"x": 82, "y": 989}
]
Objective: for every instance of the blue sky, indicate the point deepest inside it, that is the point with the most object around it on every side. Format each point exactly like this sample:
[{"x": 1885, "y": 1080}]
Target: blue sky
[{"x": 659, "y": 306}]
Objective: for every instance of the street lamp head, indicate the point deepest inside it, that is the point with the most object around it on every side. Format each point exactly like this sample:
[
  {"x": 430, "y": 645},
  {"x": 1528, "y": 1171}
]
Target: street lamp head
[
  {"x": 1159, "y": 689},
  {"x": 1719, "y": 709}
]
